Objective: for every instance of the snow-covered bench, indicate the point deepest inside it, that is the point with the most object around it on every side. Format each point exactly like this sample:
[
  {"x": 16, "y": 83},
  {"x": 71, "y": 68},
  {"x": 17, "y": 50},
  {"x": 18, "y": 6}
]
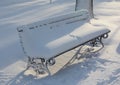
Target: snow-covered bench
[{"x": 43, "y": 41}]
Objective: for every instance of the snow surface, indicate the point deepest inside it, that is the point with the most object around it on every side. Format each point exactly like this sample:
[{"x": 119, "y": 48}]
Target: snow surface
[
  {"x": 103, "y": 69},
  {"x": 54, "y": 41},
  {"x": 57, "y": 37}
]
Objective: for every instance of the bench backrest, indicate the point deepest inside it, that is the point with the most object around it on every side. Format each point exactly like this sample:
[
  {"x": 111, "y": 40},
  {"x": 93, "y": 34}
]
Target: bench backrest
[{"x": 53, "y": 22}]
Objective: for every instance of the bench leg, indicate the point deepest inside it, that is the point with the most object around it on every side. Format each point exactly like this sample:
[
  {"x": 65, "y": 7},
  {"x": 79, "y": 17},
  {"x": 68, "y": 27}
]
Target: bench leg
[
  {"x": 88, "y": 51},
  {"x": 73, "y": 58},
  {"x": 39, "y": 65}
]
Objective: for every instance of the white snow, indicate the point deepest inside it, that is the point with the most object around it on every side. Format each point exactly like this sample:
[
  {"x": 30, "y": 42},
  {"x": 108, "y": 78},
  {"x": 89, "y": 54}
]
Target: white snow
[
  {"x": 56, "y": 37},
  {"x": 103, "y": 69}
]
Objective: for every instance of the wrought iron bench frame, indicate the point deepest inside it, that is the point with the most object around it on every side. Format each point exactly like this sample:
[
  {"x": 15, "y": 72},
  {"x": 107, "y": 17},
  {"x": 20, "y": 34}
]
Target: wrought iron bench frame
[{"x": 40, "y": 65}]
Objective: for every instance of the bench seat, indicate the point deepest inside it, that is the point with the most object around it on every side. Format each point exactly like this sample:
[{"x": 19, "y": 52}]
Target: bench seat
[{"x": 51, "y": 44}]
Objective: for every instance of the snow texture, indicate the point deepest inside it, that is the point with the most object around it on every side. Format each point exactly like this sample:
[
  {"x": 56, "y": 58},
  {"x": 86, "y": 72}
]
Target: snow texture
[
  {"x": 58, "y": 34},
  {"x": 102, "y": 69}
]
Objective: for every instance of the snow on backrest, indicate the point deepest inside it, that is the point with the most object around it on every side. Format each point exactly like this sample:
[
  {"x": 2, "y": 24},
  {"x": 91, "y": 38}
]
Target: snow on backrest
[
  {"x": 59, "y": 20},
  {"x": 42, "y": 32}
]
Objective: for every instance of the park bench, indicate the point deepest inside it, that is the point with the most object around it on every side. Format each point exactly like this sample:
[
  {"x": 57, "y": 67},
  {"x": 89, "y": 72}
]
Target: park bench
[{"x": 47, "y": 39}]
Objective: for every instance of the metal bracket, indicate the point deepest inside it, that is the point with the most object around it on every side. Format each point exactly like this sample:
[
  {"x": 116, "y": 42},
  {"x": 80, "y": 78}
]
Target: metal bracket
[
  {"x": 39, "y": 65},
  {"x": 88, "y": 51}
]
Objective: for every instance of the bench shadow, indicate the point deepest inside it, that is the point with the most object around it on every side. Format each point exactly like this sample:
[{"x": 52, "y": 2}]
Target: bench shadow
[
  {"x": 20, "y": 79},
  {"x": 72, "y": 75},
  {"x": 113, "y": 79}
]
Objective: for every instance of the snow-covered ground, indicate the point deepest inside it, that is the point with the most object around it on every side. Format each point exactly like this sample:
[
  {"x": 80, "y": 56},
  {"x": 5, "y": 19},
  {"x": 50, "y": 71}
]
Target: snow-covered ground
[{"x": 103, "y": 69}]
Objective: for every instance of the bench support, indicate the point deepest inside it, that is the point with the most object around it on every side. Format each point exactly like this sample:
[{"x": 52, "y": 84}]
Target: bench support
[
  {"x": 39, "y": 65},
  {"x": 86, "y": 50}
]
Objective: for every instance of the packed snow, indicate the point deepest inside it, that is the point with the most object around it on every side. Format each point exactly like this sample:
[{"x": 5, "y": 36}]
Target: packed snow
[{"x": 102, "y": 69}]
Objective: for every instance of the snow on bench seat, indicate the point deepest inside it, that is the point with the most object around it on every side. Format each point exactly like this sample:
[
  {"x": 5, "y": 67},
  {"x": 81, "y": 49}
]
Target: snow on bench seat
[{"x": 51, "y": 37}]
